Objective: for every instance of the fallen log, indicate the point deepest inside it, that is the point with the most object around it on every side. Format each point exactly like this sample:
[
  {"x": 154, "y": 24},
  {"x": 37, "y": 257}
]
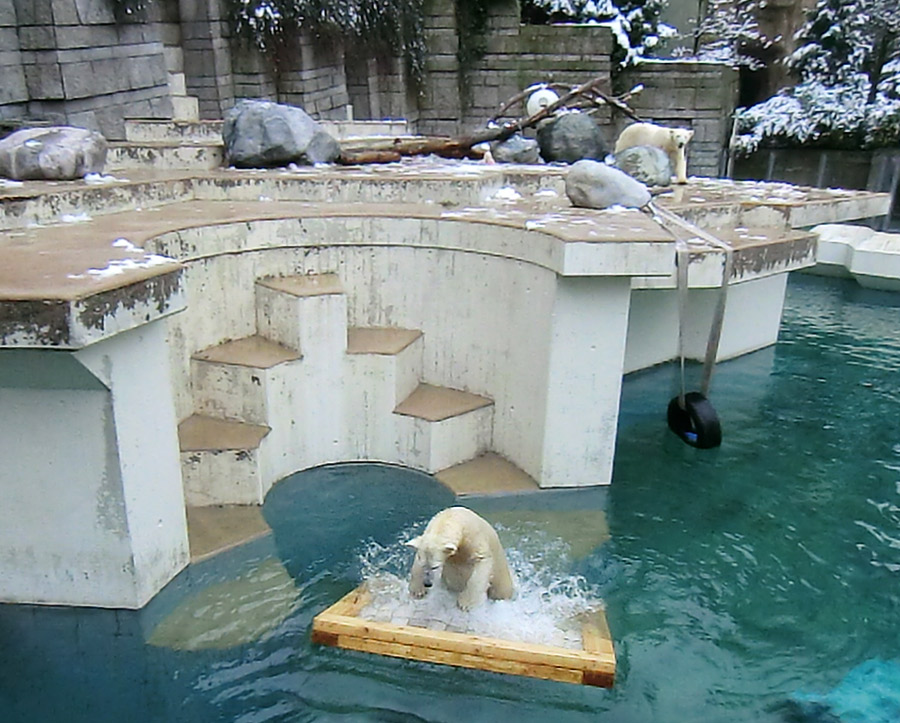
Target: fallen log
[{"x": 465, "y": 146}]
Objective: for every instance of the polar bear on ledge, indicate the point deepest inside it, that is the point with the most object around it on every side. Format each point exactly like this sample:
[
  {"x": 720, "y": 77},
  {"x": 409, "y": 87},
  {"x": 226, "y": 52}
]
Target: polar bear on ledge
[
  {"x": 462, "y": 549},
  {"x": 672, "y": 140}
]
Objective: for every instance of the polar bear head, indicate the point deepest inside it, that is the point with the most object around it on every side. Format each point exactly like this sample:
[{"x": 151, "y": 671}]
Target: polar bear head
[
  {"x": 680, "y": 137},
  {"x": 431, "y": 554}
]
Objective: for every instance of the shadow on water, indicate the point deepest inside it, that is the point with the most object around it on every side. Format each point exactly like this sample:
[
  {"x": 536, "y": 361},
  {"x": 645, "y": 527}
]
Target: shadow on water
[{"x": 737, "y": 580}]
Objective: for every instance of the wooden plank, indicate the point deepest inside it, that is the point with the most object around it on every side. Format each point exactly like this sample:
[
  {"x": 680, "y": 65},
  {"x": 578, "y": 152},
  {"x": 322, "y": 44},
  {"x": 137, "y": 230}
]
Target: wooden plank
[
  {"x": 446, "y": 657},
  {"x": 462, "y": 643},
  {"x": 340, "y": 626},
  {"x": 351, "y": 603},
  {"x": 595, "y": 636}
]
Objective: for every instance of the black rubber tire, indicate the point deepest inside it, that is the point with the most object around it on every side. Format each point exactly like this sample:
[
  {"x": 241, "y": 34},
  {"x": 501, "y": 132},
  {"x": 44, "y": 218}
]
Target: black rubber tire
[{"x": 697, "y": 424}]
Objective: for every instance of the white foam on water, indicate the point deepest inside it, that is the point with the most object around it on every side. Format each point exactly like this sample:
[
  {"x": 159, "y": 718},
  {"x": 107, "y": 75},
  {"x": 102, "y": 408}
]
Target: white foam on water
[{"x": 547, "y": 608}]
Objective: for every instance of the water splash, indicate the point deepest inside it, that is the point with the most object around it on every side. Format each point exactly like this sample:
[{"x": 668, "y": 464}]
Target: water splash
[{"x": 548, "y": 608}]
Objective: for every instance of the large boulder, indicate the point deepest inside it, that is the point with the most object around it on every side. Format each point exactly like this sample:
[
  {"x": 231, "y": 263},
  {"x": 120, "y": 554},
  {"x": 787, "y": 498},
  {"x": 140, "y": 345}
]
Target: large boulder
[
  {"x": 263, "y": 134},
  {"x": 570, "y": 137},
  {"x": 647, "y": 164},
  {"x": 55, "y": 153},
  {"x": 516, "y": 149},
  {"x": 590, "y": 184}
]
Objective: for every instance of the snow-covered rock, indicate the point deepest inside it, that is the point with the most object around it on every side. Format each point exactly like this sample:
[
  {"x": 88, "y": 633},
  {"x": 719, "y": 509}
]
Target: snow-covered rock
[
  {"x": 516, "y": 149},
  {"x": 263, "y": 134},
  {"x": 590, "y": 184},
  {"x": 571, "y": 137},
  {"x": 56, "y": 153},
  {"x": 647, "y": 164}
]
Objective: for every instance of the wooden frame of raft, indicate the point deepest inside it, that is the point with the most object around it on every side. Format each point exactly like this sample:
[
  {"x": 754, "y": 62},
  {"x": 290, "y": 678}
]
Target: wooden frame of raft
[{"x": 340, "y": 626}]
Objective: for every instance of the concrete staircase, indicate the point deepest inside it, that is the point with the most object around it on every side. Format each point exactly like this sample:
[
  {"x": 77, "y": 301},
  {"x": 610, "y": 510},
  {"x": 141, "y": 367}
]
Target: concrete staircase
[
  {"x": 188, "y": 143},
  {"x": 305, "y": 390}
]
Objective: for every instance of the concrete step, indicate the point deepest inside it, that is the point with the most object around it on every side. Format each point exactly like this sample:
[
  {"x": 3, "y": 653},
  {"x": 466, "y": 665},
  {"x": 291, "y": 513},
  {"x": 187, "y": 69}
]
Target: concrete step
[
  {"x": 241, "y": 379},
  {"x": 220, "y": 461},
  {"x": 174, "y": 58},
  {"x": 164, "y": 156},
  {"x": 355, "y": 129},
  {"x": 218, "y": 528},
  {"x": 152, "y": 130},
  {"x": 307, "y": 312},
  {"x": 384, "y": 365},
  {"x": 185, "y": 108},
  {"x": 439, "y": 427},
  {"x": 177, "y": 84},
  {"x": 486, "y": 475}
]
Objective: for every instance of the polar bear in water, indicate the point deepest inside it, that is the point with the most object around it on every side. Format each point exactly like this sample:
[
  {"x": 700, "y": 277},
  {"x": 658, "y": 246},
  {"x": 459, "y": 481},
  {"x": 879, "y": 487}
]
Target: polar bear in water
[
  {"x": 462, "y": 549},
  {"x": 672, "y": 140}
]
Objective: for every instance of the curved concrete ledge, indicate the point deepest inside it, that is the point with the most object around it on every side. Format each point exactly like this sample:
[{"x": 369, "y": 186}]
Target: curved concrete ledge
[
  {"x": 870, "y": 257},
  {"x": 503, "y": 290}
]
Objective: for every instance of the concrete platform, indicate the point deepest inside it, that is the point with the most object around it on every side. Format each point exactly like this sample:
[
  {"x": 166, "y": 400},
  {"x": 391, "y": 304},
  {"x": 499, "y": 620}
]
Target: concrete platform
[
  {"x": 252, "y": 351},
  {"x": 199, "y": 434},
  {"x": 215, "y": 529},
  {"x": 871, "y": 258},
  {"x": 111, "y": 287},
  {"x": 387, "y": 341},
  {"x": 486, "y": 475},
  {"x": 435, "y": 404}
]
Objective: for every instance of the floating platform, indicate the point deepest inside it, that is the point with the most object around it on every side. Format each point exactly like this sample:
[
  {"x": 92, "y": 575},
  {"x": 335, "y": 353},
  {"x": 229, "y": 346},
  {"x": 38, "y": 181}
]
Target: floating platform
[{"x": 595, "y": 664}]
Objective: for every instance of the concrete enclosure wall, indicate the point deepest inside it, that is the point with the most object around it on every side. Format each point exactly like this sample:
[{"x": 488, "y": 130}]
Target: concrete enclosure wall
[{"x": 69, "y": 61}]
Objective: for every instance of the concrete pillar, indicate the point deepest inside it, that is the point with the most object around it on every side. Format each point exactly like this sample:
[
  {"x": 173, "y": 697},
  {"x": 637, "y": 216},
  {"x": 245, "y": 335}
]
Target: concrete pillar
[
  {"x": 94, "y": 508},
  {"x": 587, "y": 348},
  {"x": 752, "y": 318},
  {"x": 207, "y": 55}
]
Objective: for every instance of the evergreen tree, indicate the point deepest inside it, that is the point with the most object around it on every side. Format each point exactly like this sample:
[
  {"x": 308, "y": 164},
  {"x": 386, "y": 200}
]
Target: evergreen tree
[
  {"x": 834, "y": 44},
  {"x": 729, "y": 32},
  {"x": 634, "y": 23},
  {"x": 842, "y": 38}
]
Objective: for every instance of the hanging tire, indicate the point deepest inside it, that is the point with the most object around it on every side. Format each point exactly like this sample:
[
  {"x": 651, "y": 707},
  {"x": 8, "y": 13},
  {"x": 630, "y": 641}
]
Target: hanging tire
[{"x": 697, "y": 423}]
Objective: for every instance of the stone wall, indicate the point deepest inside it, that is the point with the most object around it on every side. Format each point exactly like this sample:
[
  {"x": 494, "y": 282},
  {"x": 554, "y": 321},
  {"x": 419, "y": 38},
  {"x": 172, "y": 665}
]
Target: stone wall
[
  {"x": 13, "y": 89},
  {"x": 516, "y": 56},
  {"x": 79, "y": 66},
  {"x": 68, "y": 61},
  {"x": 701, "y": 96}
]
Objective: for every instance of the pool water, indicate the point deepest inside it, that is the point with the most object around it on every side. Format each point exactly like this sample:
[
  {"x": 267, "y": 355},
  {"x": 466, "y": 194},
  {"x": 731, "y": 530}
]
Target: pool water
[{"x": 737, "y": 580}]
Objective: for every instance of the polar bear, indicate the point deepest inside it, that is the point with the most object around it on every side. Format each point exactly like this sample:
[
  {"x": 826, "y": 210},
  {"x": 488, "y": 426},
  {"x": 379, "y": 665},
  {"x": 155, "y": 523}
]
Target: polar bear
[
  {"x": 671, "y": 140},
  {"x": 464, "y": 550}
]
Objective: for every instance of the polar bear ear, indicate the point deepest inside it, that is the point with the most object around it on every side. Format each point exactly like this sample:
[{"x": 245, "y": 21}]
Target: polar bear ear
[
  {"x": 414, "y": 542},
  {"x": 450, "y": 548}
]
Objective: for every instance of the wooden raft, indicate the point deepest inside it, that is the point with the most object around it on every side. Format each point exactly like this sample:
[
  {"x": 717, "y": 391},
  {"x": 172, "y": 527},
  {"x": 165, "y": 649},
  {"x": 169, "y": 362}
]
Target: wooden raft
[{"x": 340, "y": 626}]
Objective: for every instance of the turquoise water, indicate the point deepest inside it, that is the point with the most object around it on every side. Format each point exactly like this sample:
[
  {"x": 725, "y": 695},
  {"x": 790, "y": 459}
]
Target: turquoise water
[{"x": 735, "y": 579}]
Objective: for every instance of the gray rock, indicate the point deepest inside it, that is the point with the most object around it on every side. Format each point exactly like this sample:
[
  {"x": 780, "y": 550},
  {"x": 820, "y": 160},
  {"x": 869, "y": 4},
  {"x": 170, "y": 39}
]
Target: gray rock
[
  {"x": 590, "y": 184},
  {"x": 55, "y": 153},
  {"x": 516, "y": 149},
  {"x": 647, "y": 164},
  {"x": 571, "y": 137},
  {"x": 263, "y": 134}
]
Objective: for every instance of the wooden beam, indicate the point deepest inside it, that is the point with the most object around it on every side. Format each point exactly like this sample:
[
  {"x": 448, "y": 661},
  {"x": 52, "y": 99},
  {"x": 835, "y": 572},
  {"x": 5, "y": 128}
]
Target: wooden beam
[{"x": 340, "y": 626}]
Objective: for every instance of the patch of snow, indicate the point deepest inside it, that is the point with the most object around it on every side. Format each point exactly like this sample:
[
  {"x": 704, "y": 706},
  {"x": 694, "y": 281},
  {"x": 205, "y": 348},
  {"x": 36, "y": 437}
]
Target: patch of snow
[{"x": 74, "y": 217}]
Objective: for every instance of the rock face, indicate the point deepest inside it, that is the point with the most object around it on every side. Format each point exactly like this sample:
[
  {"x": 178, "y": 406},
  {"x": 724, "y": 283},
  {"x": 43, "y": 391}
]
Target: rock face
[
  {"x": 57, "y": 153},
  {"x": 516, "y": 149},
  {"x": 571, "y": 137},
  {"x": 647, "y": 164},
  {"x": 262, "y": 134},
  {"x": 590, "y": 184}
]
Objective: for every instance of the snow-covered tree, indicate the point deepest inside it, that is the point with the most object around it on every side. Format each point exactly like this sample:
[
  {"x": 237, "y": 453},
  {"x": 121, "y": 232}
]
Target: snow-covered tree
[
  {"x": 848, "y": 65},
  {"x": 729, "y": 32},
  {"x": 634, "y": 23},
  {"x": 273, "y": 26},
  {"x": 844, "y": 37}
]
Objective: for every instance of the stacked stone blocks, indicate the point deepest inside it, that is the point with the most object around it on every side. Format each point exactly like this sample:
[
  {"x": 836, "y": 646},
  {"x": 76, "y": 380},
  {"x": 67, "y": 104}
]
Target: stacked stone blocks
[{"x": 82, "y": 68}]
